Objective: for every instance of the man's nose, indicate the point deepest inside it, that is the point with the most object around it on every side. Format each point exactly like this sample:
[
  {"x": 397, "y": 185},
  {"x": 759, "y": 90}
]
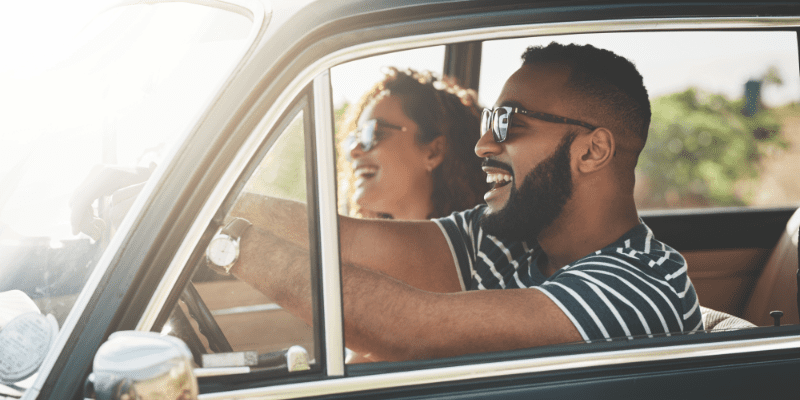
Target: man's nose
[{"x": 486, "y": 146}]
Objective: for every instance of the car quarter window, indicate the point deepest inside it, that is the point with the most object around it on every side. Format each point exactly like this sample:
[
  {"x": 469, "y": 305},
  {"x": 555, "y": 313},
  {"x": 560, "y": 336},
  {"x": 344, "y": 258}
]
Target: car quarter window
[{"x": 229, "y": 323}]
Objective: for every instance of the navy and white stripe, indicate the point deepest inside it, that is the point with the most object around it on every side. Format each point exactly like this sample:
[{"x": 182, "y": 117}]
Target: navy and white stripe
[{"x": 636, "y": 286}]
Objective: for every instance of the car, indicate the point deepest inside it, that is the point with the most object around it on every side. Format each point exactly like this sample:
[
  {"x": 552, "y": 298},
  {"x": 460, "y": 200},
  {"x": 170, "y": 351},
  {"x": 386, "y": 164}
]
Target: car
[{"x": 159, "y": 117}]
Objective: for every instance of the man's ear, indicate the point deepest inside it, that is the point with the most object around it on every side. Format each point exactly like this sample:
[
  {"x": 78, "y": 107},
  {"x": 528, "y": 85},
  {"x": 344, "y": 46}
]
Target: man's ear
[
  {"x": 436, "y": 150},
  {"x": 597, "y": 150}
]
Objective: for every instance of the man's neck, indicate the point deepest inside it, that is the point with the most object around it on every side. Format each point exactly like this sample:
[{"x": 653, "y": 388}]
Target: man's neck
[{"x": 576, "y": 234}]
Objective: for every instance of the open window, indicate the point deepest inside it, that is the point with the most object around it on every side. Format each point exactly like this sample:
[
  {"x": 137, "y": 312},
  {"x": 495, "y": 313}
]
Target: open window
[{"x": 722, "y": 143}]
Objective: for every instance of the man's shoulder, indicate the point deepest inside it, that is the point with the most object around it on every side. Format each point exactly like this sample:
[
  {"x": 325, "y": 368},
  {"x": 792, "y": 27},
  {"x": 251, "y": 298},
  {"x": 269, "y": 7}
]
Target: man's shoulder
[
  {"x": 637, "y": 249},
  {"x": 466, "y": 220},
  {"x": 472, "y": 213}
]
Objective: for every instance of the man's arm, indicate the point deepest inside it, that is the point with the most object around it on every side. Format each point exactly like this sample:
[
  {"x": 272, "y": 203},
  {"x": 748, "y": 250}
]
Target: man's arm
[
  {"x": 390, "y": 320},
  {"x": 287, "y": 219},
  {"x": 414, "y": 252}
]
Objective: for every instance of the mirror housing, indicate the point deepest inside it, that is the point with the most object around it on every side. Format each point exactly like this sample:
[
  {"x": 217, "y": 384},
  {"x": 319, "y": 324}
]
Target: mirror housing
[{"x": 142, "y": 365}]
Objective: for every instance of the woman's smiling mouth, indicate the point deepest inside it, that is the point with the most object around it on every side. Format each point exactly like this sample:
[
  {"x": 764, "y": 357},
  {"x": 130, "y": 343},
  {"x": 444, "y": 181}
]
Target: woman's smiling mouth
[{"x": 365, "y": 172}]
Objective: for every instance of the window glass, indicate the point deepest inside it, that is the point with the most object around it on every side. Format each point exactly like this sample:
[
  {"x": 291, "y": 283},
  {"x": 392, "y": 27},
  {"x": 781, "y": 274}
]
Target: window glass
[
  {"x": 119, "y": 95},
  {"x": 725, "y": 109},
  {"x": 249, "y": 321}
]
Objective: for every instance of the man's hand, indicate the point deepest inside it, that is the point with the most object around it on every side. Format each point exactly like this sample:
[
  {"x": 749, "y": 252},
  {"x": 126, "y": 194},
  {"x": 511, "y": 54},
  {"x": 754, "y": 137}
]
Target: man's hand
[{"x": 124, "y": 183}]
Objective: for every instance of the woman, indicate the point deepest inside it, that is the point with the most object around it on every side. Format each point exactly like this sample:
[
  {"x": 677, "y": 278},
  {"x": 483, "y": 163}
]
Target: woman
[{"x": 410, "y": 149}]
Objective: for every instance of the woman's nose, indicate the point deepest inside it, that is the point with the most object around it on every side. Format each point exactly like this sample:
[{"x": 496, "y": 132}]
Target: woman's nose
[{"x": 355, "y": 149}]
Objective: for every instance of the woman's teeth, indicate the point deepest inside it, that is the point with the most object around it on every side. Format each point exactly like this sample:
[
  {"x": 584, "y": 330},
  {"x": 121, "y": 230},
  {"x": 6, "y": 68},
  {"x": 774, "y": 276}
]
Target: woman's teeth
[{"x": 366, "y": 172}]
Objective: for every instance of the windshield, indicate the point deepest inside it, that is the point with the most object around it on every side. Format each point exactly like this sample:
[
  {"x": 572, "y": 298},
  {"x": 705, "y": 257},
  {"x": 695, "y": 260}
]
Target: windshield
[{"x": 118, "y": 96}]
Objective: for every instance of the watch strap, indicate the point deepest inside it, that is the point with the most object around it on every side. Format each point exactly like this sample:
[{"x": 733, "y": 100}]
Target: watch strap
[{"x": 236, "y": 228}]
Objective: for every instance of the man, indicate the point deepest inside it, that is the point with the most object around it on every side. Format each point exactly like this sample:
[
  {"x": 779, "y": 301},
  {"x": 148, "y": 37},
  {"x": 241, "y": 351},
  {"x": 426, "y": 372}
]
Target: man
[{"x": 560, "y": 220}]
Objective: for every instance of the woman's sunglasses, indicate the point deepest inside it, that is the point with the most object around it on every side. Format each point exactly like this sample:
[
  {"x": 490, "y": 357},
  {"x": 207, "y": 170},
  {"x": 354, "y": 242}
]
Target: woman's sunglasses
[
  {"x": 369, "y": 134},
  {"x": 499, "y": 119}
]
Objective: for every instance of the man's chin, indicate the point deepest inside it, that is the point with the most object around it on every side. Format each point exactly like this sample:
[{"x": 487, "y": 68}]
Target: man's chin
[
  {"x": 489, "y": 211},
  {"x": 494, "y": 206}
]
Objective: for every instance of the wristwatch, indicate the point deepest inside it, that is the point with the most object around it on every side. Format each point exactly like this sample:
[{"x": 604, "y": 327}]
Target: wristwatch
[{"x": 223, "y": 251}]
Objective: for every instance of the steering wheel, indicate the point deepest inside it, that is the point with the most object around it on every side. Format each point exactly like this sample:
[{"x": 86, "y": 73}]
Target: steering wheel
[
  {"x": 125, "y": 184},
  {"x": 205, "y": 320}
]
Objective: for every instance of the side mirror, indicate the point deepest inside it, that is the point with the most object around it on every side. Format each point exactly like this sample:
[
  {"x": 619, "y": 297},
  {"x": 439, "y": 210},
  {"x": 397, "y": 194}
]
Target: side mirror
[{"x": 142, "y": 365}]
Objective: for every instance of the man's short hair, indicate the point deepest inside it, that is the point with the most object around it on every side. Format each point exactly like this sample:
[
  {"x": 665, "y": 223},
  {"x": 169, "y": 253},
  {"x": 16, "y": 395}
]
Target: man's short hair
[{"x": 609, "y": 82}]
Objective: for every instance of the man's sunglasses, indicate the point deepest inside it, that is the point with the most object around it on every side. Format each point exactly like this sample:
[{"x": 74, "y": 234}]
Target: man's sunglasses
[
  {"x": 499, "y": 119},
  {"x": 369, "y": 134}
]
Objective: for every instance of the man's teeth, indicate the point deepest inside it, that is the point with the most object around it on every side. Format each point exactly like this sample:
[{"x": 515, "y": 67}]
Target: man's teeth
[{"x": 498, "y": 178}]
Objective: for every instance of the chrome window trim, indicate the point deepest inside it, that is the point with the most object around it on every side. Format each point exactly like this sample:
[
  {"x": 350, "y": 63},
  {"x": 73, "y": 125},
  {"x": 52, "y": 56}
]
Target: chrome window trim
[
  {"x": 328, "y": 225},
  {"x": 251, "y": 9},
  {"x": 504, "y": 368},
  {"x": 451, "y": 374}
]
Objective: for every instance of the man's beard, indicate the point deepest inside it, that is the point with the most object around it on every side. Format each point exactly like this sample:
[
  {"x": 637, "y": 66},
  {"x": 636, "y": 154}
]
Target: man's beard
[{"x": 539, "y": 200}]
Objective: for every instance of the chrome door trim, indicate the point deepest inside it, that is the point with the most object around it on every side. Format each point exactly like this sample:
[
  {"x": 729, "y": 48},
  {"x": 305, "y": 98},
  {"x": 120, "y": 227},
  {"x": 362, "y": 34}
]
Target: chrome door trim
[
  {"x": 271, "y": 116},
  {"x": 328, "y": 225},
  {"x": 506, "y": 368}
]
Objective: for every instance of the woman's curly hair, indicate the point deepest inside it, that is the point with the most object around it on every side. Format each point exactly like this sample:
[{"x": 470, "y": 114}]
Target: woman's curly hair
[{"x": 439, "y": 107}]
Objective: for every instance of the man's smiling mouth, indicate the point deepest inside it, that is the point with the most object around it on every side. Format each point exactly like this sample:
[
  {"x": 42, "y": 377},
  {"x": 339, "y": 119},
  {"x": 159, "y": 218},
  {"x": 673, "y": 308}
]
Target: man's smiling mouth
[
  {"x": 498, "y": 179},
  {"x": 497, "y": 173}
]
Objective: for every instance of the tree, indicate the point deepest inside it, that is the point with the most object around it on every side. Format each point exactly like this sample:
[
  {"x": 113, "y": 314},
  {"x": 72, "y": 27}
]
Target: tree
[{"x": 701, "y": 144}]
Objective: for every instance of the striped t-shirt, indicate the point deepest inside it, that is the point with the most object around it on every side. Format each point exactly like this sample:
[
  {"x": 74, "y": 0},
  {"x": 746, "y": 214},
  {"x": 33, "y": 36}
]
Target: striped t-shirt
[{"x": 635, "y": 286}]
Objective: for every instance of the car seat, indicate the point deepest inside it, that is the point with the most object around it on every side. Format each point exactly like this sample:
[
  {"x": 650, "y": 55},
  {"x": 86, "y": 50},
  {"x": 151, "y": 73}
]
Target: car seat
[
  {"x": 776, "y": 288},
  {"x": 717, "y": 321}
]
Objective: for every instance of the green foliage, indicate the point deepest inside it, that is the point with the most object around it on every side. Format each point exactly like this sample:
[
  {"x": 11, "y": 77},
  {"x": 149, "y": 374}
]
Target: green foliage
[
  {"x": 338, "y": 121},
  {"x": 282, "y": 173},
  {"x": 699, "y": 146}
]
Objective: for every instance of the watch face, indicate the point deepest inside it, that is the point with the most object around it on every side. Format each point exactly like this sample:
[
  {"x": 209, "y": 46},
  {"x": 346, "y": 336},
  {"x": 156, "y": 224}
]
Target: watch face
[{"x": 222, "y": 251}]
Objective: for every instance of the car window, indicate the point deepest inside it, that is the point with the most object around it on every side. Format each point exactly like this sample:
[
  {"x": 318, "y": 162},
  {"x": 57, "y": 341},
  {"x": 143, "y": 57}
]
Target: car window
[
  {"x": 120, "y": 93},
  {"x": 725, "y": 109},
  {"x": 725, "y": 113},
  {"x": 240, "y": 326}
]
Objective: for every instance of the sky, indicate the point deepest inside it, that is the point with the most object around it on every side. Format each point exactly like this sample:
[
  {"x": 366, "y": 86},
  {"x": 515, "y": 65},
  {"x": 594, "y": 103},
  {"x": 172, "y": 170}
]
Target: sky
[{"x": 31, "y": 31}]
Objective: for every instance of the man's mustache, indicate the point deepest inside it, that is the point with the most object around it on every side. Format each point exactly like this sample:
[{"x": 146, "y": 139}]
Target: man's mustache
[{"x": 492, "y": 163}]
